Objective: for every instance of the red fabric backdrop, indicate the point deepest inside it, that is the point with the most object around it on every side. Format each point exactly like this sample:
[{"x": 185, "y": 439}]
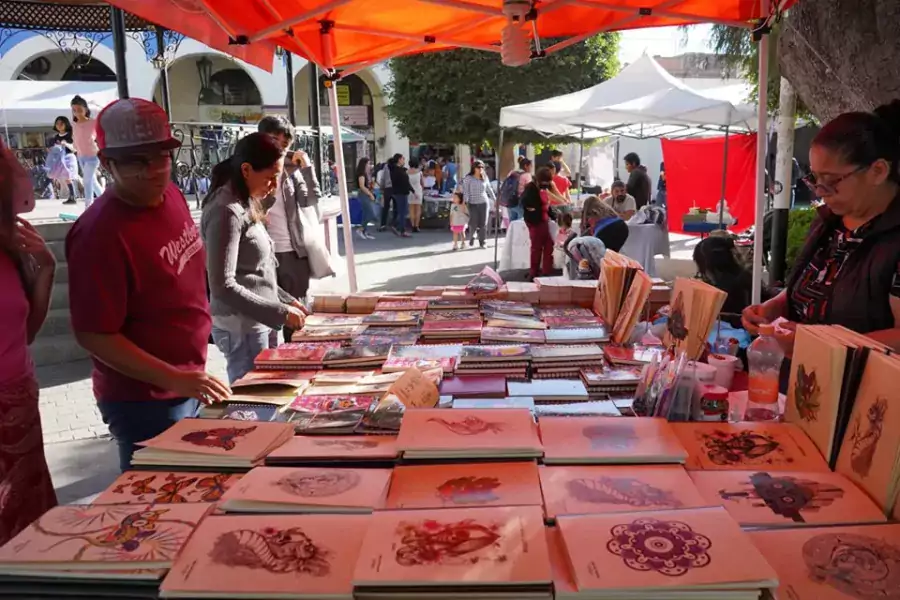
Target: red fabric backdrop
[{"x": 694, "y": 175}]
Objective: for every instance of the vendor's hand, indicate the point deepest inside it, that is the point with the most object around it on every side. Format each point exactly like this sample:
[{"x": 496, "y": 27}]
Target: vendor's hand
[
  {"x": 200, "y": 385},
  {"x": 294, "y": 318},
  {"x": 300, "y": 306},
  {"x": 752, "y": 317},
  {"x": 27, "y": 240},
  {"x": 785, "y": 334}
]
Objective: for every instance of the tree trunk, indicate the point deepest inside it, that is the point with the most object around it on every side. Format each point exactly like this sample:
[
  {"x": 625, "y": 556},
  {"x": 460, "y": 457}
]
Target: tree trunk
[
  {"x": 841, "y": 55},
  {"x": 506, "y": 159},
  {"x": 784, "y": 163}
]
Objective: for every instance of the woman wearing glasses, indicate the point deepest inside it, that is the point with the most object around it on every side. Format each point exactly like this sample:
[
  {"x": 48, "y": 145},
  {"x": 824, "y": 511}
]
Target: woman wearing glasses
[{"x": 848, "y": 272}]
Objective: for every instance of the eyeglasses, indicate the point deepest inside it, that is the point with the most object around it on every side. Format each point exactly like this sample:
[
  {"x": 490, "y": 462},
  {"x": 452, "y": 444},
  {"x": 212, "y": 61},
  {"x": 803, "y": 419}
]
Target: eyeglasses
[{"x": 830, "y": 188}]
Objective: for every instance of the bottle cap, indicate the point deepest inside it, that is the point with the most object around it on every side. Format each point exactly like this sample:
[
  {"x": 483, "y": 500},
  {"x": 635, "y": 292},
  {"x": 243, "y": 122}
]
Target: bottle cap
[{"x": 766, "y": 329}]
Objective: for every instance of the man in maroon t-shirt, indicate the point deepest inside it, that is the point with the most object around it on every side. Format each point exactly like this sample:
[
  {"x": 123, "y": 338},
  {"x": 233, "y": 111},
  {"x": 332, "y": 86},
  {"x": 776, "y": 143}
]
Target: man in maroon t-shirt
[{"x": 137, "y": 291}]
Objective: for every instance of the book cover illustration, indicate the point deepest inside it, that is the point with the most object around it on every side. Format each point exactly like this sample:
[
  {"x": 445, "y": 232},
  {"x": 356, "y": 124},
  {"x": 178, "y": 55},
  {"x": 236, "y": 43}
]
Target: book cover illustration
[
  {"x": 378, "y": 340},
  {"x": 401, "y": 304},
  {"x": 327, "y": 333},
  {"x": 452, "y": 316},
  {"x": 331, "y": 403},
  {"x": 240, "y": 411},
  {"x": 633, "y": 354},
  {"x": 533, "y": 336},
  {"x": 834, "y": 563},
  {"x": 129, "y": 536},
  {"x": 392, "y": 317},
  {"x": 270, "y": 556},
  {"x": 352, "y": 353},
  {"x": 768, "y": 446},
  {"x": 505, "y": 545},
  {"x": 610, "y": 440},
  {"x": 513, "y": 321},
  {"x": 604, "y": 489},
  {"x": 579, "y": 322},
  {"x": 787, "y": 498},
  {"x": 571, "y": 312},
  {"x": 294, "y": 353},
  {"x": 691, "y": 549},
  {"x": 461, "y": 485},
  {"x": 223, "y": 438},
  {"x": 560, "y": 353},
  {"x": 339, "y": 377},
  {"x": 332, "y": 320},
  {"x": 273, "y": 377},
  {"x": 166, "y": 487},
  {"x": 508, "y": 306},
  {"x": 436, "y": 351},
  {"x": 453, "y": 304},
  {"x": 611, "y": 376},
  {"x": 505, "y": 352},
  {"x": 350, "y": 447},
  {"x": 459, "y": 430}
]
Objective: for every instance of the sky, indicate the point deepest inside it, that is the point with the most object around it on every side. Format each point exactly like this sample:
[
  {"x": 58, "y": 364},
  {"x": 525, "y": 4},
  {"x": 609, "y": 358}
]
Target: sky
[{"x": 663, "y": 41}]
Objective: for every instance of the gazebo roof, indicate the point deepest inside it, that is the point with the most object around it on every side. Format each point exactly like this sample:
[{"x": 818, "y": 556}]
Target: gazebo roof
[{"x": 70, "y": 15}]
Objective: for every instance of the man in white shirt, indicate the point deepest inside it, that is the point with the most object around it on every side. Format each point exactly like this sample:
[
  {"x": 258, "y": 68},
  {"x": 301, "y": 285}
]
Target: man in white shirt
[{"x": 621, "y": 202}]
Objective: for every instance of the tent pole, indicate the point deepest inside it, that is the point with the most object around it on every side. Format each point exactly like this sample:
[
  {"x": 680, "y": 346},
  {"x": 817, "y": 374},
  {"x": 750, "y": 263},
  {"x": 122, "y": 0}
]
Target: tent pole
[
  {"x": 342, "y": 184},
  {"x": 580, "y": 163},
  {"x": 761, "y": 139},
  {"x": 289, "y": 75},
  {"x": 500, "y": 179},
  {"x": 616, "y": 166},
  {"x": 724, "y": 179}
]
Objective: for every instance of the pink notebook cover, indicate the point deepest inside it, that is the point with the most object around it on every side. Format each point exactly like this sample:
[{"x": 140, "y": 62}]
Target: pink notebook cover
[
  {"x": 534, "y": 336},
  {"x": 223, "y": 438},
  {"x": 347, "y": 447},
  {"x": 462, "y": 485},
  {"x": 357, "y": 488},
  {"x": 788, "y": 498},
  {"x": 834, "y": 563},
  {"x": 105, "y": 537},
  {"x": 610, "y": 439},
  {"x": 492, "y": 545},
  {"x": 297, "y": 352},
  {"x": 279, "y": 556},
  {"x": 166, "y": 487},
  {"x": 769, "y": 446},
  {"x": 590, "y": 489},
  {"x": 474, "y": 386},
  {"x": 459, "y": 429},
  {"x": 560, "y": 567},
  {"x": 660, "y": 550}
]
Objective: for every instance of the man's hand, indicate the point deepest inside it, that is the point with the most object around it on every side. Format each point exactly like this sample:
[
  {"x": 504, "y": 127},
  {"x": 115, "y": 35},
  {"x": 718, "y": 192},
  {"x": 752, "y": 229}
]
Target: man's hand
[
  {"x": 27, "y": 240},
  {"x": 299, "y": 306},
  {"x": 200, "y": 385},
  {"x": 301, "y": 159},
  {"x": 294, "y": 318},
  {"x": 752, "y": 317}
]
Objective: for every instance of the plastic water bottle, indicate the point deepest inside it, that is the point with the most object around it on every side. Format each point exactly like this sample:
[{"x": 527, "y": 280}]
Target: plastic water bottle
[{"x": 765, "y": 357}]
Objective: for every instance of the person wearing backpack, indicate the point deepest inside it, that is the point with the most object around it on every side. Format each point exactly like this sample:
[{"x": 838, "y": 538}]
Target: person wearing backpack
[
  {"x": 537, "y": 212},
  {"x": 513, "y": 187}
]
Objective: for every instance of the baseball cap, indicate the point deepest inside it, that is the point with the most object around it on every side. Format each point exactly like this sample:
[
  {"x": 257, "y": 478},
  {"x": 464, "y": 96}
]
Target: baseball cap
[{"x": 132, "y": 125}]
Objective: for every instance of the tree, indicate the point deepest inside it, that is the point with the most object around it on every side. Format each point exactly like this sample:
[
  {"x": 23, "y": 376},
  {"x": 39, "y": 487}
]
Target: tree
[{"x": 456, "y": 96}]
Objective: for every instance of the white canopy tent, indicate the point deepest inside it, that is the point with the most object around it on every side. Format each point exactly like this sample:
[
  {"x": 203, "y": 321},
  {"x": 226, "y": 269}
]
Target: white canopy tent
[{"x": 38, "y": 103}]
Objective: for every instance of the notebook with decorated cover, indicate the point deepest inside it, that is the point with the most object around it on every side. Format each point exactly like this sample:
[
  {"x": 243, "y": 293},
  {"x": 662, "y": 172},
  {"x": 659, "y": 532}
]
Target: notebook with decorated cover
[
  {"x": 401, "y": 304},
  {"x": 474, "y": 386},
  {"x": 697, "y": 552},
  {"x": 423, "y": 357},
  {"x": 166, "y": 487},
  {"x": 379, "y": 340},
  {"x": 506, "y": 334},
  {"x": 549, "y": 390},
  {"x": 453, "y": 316},
  {"x": 347, "y": 448},
  {"x": 632, "y": 355},
  {"x": 446, "y": 328},
  {"x": 478, "y": 433},
  {"x": 377, "y": 380},
  {"x": 288, "y": 379},
  {"x": 742, "y": 446},
  {"x": 495, "y": 353},
  {"x": 346, "y": 389},
  {"x": 573, "y": 322},
  {"x": 833, "y": 563},
  {"x": 467, "y": 403},
  {"x": 308, "y": 489},
  {"x": 609, "y": 440},
  {"x": 500, "y": 549},
  {"x": 566, "y": 354},
  {"x": 695, "y": 308},
  {"x": 303, "y": 557},
  {"x": 330, "y": 321},
  {"x": 293, "y": 356},
  {"x": 204, "y": 443},
  {"x": 870, "y": 452},
  {"x": 328, "y": 334},
  {"x": 509, "y": 307},
  {"x": 606, "y": 489},
  {"x": 512, "y": 321},
  {"x": 243, "y": 411},
  {"x": 329, "y": 414},
  {"x": 453, "y": 304},
  {"x": 356, "y": 355},
  {"x": 566, "y": 311},
  {"x": 394, "y": 318},
  {"x": 563, "y": 581},
  {"x": 340, "y": 377},
  {"x": 787, "y": 498},
  {"x": 611, "y": 378},
  {"x": 104, "y": 539},
  {"x": 581, "y": 335}
]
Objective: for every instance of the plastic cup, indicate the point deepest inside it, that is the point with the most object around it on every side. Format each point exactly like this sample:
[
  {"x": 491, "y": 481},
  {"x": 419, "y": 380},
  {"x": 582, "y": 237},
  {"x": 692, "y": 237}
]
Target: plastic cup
[{"x": 725, "y": 365}]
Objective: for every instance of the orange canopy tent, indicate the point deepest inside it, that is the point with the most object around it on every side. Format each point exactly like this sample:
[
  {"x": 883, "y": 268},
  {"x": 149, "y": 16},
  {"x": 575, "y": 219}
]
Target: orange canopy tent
[{"x": 345, "y": 36}]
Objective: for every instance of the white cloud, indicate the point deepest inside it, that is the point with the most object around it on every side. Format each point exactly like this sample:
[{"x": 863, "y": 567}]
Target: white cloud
[{"x": 663, "y": 41}]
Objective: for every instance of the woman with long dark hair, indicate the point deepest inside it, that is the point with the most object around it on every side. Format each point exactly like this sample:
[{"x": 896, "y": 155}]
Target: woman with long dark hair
[
  {"x": 27, "y": 268},
  {"x": 718, "y": 266},
  {"x": 535, "y": 202},
  {"x": 366, "y": 197},
  {"x": 84, "y": 134},
  {"x": 246, "y": 304}
]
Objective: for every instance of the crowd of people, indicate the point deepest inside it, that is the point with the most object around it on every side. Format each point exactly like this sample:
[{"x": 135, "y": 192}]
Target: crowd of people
[{"x": 73, "y": 145}]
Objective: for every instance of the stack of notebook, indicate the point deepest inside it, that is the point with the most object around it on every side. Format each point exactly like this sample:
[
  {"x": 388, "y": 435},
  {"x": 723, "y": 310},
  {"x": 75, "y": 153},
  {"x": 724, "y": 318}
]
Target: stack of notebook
[
  {"x": 509, "y": 307},
  {"x": 826, "y": 372},
  {"x": 632, "y": 355},
  {"x": 695, "y": 553},
  {"x": 324, "y": 321},
  {"x": 570, "y": 317},
  {"x": 452, "y": 325},
  {"x": 443, "y": 356},
  {"x": 362, "y": 303},
  {"x": 387, "y": 335},
  {"x": 474, "y": 386},
  {"x": 329, "y": 303},
  {"x": 308, "y": 490},
  {"x": 295, "y": 356},
  {"x": 549, "y": 391},
  {"x": 270, "y": 387},
  {"x": 328, "y": 334},
  {"x": 523, "y": 291},
  {"x": 577, "y": 335},
  {"x": 401, "y": 304},
  {"x": 305, "y": 557},
  {"x": 94, "y": 551},
  {"x": 335, "y": 450},
  {"x": 329, "y": 414},
  {"x": 455, "y": 553},
  {"x": 356, "y": 356},
  {"x": 509, "y": 360},
  {"x": 609, "y": 440},
  {"x": 213, "y": 444},
  {"x": 394, "y": 318},
  {"x": 166, "y": 487},
  {"x": 512, "y": 320},
  {"x": 603, "y": 381},
  {"x": 622, "y": 294},
  {"x": 499, "y": 335},
  {"x": 464, "y": 303},
  {"x": 475, "y": 434},
  {"x": 695, "y": 309},
  {"x": 565, "y": 361}
]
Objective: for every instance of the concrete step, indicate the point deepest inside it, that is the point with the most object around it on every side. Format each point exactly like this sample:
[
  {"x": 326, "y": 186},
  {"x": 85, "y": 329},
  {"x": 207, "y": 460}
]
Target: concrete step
[
  {"x": 57, "y": 349},
  {"x": 60, "y": 297},
  {"x": 57, "y": 323},
  {"x": 54, "y": 232},
  {"x": 58, "y": 248},
  {"x": 62, "y": 274}
]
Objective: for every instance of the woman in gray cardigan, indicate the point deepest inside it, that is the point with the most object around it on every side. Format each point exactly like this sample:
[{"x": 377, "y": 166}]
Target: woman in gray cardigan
[{"x": 246, "y": 304}]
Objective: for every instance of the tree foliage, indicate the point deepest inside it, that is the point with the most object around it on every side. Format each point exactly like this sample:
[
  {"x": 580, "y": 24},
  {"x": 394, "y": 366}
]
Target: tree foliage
[{"x": 456, "y": 96}]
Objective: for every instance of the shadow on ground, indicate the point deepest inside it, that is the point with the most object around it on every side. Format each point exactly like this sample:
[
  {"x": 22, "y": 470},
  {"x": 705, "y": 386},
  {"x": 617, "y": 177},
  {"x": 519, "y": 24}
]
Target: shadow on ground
[
  {"x": 57, "y": 375},
  {"x": 82, "y": 469}
]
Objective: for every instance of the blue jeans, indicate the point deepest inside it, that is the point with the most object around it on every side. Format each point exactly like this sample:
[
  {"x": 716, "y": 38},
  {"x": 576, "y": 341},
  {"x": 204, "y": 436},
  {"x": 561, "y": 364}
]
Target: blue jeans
[
  {"x": 241, "y": 349},
  {"x": 515, "y": 213},
  {"x": 89, "y": 166},
  {"x": 368, "y": 211},
  {"x": 140, "y": 420},
  {"x": 401, "y": 207}
]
